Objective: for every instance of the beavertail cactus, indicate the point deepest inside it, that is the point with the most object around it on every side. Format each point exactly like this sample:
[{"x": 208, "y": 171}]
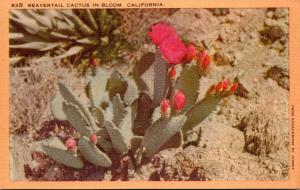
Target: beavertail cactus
[{"x": 141, "y": 114}]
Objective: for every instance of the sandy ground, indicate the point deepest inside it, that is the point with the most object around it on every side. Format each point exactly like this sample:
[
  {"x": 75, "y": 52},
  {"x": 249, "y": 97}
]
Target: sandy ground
[{"x": 246, "y": 138}]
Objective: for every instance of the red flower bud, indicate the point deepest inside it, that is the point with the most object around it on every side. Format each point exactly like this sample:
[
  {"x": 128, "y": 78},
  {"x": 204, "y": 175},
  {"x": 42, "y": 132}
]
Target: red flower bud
[
  {"x": 70, "y": 143},
  {"x": 160, "y": 31},
  {"x": 94, "y": 62},
  {"x": 178, "y": 101},
  {"x": 165, "y": 109},
  {"x": 225, "y": 84},
  {"x": 191, "y": 52},
  {"x": 172, "y": 73},
  {"x": 218, "y": 86},
  {"x": 234, "y": 87},
  {"x": 93, "y": 138},
  {"x": 203, "y": 60}
]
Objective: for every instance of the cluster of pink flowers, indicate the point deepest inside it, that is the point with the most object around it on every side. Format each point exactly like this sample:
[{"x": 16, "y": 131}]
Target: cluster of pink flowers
[
  {"x": 179, "y": 102},
  {"x": 173, "y": 50}
]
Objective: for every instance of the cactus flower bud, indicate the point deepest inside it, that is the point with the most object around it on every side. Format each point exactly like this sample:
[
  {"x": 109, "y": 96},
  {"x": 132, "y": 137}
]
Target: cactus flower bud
[
  {"x": 70, "y": 143},
  {"x": 94, "y": 62},
  {"x": 218, "y": 86},
  {"x": 203, "y": 60},
  {"x": 234, "y": 87},
  {"x": 93, "y": 138},
  {"x": 178, "y": 101},
  {"x": 225, "y": 84},
  {"x": 172, "y": 73},
  {"x": 191, "y": 52},
  {"x": 165, "y": 108}
]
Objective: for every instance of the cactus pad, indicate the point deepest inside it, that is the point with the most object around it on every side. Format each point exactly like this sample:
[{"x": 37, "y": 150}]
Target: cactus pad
[
  {"x": 200, "y": 111},
  {"x": 57, "y": 151},
  {"x": 159, "y": 133},
  {"x": 117, "y": 138},
  {"x": 76, "y": 119},
  {"x": 97, "y": 87},
  {"x": 188, "y": 82},
  {"x": 92, "y": 154}
]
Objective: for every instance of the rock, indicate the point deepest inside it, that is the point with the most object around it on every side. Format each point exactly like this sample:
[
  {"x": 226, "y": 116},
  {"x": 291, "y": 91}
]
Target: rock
[
  {"x": 261, "y": 132},
  {"x": 280, "y": 75},
  {"x": 271, "y": 33},
  {"x": 270, "y": 14}
]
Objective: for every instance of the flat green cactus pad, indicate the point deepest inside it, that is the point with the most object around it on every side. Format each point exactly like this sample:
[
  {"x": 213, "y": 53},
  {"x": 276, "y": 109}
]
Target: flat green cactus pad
[
  {"x": 75, "y": 117},
  {"x": 119, "y": 110},
  {"x": 93, "y": 154},
  {"x": 69, "y": 97},
  {"x": 200, "y": 111},
  {"x": 97, "y": 86},
  {"x": 188, "y": 82},
  {"x": 58, "y": 152},
  {"x": 56, "y": 107},
  {"x": 160, "y": 132},
  {"x": 131, "y": 92},
  {"x": 116, "y": 137}
]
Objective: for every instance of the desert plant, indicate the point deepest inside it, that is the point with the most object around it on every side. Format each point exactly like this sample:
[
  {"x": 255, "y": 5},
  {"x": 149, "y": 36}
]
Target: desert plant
[
  {"x": 140, "y": 114},
  {"x": 60, "y": 34}
]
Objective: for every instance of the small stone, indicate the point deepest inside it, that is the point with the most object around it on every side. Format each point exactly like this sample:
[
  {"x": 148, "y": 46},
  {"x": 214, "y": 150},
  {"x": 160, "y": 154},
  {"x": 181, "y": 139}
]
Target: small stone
[
  {"x": 276, "y": 168},
  {"x": 270, "y": 14},
  {"x": 269, "y": 22},
  {"x": 270, "y": 167}
]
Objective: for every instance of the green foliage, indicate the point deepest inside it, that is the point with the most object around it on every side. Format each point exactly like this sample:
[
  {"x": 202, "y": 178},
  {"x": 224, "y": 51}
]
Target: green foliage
[
  {"x": 159, "y": 133},
  {"x": 57, "y": 150},
  {"x": 92, "y": 153},
  {"x": 60, "y": 34},
  {"x": 188, "y": 82},
  {"x": 200, "y": 111},
  {"x": 124, "y": 118}
]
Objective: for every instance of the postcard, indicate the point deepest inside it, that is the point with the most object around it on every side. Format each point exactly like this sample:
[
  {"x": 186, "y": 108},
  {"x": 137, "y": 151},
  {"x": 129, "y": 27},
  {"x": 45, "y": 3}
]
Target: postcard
[{"x": 138, "y": 94}]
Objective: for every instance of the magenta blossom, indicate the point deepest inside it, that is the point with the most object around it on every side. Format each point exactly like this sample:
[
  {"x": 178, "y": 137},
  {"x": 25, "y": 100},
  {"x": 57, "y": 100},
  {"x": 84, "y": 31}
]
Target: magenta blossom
[
  {"x": 173, "y": 50},
  {"x": 191, "y": 52},
  {"x": 179, "y": 101},
  {"x": 160, "y": 31}
]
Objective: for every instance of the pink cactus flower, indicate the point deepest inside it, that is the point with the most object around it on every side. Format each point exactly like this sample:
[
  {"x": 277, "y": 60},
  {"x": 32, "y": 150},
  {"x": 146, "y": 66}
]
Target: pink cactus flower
[
  {"x": 165, "y": 108},
  {"x": 203, "y": 60},
  {"x": 172, "y": 73},
  {"x": 225, "y": 84},
  {"x": 234, "y": 88},
  {"x": 179, "y": 101},
  {"x": 191, "y": 52},
  {"x": 93, "y": 138},
  {"x": 70, "y": 144},
  {"x": 160, "y": 31},
  {"x": 173, "y": 50}
]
